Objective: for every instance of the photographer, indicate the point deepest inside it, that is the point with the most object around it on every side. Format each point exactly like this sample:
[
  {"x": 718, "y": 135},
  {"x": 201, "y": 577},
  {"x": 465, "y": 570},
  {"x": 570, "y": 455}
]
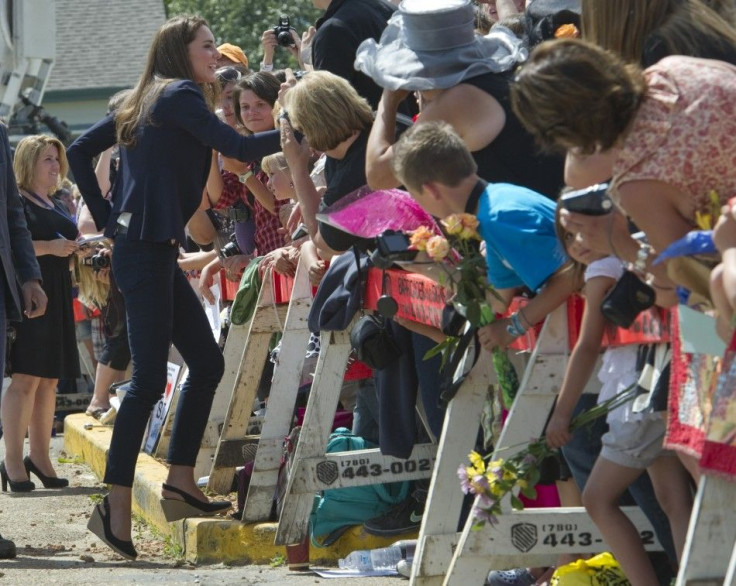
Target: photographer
[{"x": 282, "y": 35}]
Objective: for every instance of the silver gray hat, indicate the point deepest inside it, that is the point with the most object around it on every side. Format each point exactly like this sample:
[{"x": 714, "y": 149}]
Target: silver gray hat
[{"x": 432, "y": 44}]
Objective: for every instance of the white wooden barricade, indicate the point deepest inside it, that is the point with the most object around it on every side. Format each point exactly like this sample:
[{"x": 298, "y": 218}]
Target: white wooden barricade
[
  {"x": 710, "y": 553},
  {"x": 521, "y": 538},
  {"x": 245, "y": 354},
  {"x": 280, "y": 411},
  {"x": 314, "y": 470}
]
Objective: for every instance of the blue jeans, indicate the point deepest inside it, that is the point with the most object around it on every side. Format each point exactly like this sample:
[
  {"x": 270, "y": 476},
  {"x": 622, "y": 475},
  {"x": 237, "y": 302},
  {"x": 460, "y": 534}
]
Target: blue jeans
[
  {"x": 161, "y": 308},
  {"x": 582, "y": 452}
]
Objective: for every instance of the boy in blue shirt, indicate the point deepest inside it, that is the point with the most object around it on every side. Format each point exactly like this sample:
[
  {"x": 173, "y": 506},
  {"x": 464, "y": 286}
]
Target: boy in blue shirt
[{"x": 517, "y": 225}]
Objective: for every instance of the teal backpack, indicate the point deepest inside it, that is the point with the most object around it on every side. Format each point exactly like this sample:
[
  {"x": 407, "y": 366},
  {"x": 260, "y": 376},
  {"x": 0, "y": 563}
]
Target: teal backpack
[{"x": 337, "y": 509}]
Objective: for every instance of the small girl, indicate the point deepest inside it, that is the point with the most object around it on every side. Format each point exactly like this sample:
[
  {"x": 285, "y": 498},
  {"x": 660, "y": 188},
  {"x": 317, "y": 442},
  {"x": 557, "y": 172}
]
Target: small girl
[{"x": 633, "y": 443}]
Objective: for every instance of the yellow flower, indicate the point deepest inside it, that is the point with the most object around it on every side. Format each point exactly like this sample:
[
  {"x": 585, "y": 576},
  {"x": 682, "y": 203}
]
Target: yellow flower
[
  {"x": 438, "y": 248},
  {"x": 522, "y": 484},
  {"x": 468, "y": 234},
  {"x": 419, "y": 238},
  {"x": 453, "y": 224},
  {"x": 477, "y": 461}
]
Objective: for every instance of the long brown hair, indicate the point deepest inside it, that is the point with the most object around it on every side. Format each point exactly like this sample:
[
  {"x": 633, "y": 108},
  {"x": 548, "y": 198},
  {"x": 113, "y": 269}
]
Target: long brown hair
[
  {"x": 624, "y": 26},
  {"x": 573, "y": 94},
  {"x": 168, "y": 60}
]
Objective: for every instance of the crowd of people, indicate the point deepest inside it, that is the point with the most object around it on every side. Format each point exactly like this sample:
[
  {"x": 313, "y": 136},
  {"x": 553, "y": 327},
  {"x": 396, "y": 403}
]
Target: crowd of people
[{"x": 493, "y": 109}]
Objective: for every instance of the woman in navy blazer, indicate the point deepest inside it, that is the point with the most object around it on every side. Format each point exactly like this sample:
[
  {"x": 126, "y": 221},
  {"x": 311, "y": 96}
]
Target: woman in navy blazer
[{"x": 166, "y": 130}]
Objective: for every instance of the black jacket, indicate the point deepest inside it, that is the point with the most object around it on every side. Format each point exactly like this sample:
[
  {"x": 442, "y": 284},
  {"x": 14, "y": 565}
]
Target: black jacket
[
  {"x": 161, "y": 178},
  {"x": 345, "y": 25}
]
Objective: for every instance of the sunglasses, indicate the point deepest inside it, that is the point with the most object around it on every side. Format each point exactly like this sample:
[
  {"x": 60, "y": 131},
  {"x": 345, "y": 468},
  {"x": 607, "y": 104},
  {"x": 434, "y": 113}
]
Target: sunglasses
[{"x": 227, "y": 75}]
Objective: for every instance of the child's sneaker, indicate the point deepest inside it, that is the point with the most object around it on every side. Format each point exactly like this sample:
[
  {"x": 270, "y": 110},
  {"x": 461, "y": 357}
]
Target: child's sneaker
[{"x": 516, "y": 577}]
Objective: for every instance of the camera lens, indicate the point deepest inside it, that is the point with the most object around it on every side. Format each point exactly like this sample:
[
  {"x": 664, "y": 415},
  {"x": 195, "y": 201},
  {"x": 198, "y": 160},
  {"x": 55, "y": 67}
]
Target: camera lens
[{"x": 230, "y": 249}]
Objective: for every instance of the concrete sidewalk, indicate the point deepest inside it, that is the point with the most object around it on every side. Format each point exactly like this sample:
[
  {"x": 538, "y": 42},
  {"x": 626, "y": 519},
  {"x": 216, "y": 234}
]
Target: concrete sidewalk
[{"x": 203, "y": 540}]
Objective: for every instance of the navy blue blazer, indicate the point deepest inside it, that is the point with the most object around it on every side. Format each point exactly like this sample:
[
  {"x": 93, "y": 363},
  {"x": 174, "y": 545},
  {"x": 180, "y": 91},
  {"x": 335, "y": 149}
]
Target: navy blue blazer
[
  {"x": 17, "y": 257},
  {"x": 161, "y": 178}
]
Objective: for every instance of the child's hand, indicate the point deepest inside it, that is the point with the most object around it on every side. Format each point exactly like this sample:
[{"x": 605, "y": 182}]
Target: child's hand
[
  {"x": 495, "y": 335},
  {"x": 558, "y": 431}
]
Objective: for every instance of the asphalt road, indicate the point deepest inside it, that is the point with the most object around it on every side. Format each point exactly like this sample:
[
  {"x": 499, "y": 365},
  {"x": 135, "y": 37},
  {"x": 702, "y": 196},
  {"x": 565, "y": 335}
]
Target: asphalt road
[{"x": 49, "y": 528}]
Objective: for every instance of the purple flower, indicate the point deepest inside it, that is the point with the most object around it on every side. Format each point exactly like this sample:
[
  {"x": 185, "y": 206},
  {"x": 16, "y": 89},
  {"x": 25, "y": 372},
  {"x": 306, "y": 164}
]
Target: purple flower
[
  {"x": 529, "y": 460},
  {"x": 484, "y": 515},
  {"x": 480, "y": 483},
  {"x": 462, "y": 473},
  {"x": 486, "y": 501}
]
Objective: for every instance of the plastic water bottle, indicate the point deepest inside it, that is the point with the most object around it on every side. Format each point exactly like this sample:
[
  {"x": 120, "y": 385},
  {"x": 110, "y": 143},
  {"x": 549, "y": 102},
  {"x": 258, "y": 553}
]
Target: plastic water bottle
[
  {"x": 386, "y": 558},
  {"x": 357, "y": 560}
]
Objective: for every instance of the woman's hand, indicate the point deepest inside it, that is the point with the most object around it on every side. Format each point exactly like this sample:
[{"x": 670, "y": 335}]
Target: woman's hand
[
  {"x": 207, "y": 280},
  {"x": 269, "y": 42},
  {"x": 305, "y": 54},
  {"x": 235, "y": 265},
  {"x": 296, "y": 153},
  {"x": 316, "y": 271},
  {"x": 495, "y": 335},
  {"x": 558, "y": 431},
  {"x": 287, "y": 85},
  {"x": 280, "y": 260},
  {"x": 62, "y": 247}
]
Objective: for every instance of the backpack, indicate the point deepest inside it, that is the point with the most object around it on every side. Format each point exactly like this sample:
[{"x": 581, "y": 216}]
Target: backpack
[{"x": 337, "y": 509}]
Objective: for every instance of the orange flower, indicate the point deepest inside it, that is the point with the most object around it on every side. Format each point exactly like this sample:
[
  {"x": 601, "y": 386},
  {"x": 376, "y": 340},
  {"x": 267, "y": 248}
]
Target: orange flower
[
  {"x": 567, "y": 31},
  {"x": 438, "y": 248},
  {"x": 419, "y": 238}
]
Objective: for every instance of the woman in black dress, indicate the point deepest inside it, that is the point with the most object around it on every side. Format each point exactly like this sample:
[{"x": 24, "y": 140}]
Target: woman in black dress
[{"x": 45, "y": 348}]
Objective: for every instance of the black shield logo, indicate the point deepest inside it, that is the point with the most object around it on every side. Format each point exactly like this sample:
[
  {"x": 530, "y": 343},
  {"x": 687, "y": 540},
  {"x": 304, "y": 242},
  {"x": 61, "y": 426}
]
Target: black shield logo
[
  {"x": 327, "y": 472},
  {"x": 524, "y": 536}
]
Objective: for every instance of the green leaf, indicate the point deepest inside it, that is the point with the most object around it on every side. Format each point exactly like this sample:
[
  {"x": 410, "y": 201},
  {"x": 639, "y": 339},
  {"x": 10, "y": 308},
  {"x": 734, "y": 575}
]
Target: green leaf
[
  {"x": 473, "y": 313},
  {"x": 516, "y": 503},
  {"x": 529, "y": 492}
]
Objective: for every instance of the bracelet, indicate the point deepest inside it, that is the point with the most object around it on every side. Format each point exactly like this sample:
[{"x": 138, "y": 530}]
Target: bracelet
[
  {"x": 266, "y": 67},
  {"x": 243, "y": 177},
  {"x": 515, "y": 328},
  {"x": 644, "y": 252}
]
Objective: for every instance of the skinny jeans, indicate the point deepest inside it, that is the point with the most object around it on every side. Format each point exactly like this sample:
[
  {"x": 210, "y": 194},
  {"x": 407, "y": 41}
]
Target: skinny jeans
[{"x": 162, "y": 308}]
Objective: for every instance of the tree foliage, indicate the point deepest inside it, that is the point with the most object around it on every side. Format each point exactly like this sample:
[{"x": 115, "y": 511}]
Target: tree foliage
[{"x": 242, "y": 22}]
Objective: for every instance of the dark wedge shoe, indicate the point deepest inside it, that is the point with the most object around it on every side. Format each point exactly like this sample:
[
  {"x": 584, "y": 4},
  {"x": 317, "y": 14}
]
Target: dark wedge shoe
[
  {"x": 47, "y": 481},
  {"x": 175, "y": 509},
  {"x": 99, "y": 524},
  {"x": 7, "y": 549},
  {"x": 15, "y": 486}
]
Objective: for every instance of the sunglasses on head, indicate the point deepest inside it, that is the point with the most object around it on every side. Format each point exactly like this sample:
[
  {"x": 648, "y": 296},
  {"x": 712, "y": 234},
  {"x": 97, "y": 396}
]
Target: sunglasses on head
[{"x": 227, "y": 75}]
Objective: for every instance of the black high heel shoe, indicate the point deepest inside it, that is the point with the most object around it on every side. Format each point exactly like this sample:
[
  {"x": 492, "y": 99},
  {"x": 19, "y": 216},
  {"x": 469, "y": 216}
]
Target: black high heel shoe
[
  {"x": 15, "y": 486},
  {"x": 174, "y": 509},
  {"x": 99, "y": 524},
  {"x": 47, "y": 481}
]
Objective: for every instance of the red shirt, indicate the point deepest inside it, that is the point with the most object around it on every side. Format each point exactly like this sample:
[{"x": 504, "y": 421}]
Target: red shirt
[{"x": 267, "y": 224}]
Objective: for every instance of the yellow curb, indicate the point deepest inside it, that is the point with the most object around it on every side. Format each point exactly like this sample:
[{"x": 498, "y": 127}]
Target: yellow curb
[{"x": 207, "y": 541}]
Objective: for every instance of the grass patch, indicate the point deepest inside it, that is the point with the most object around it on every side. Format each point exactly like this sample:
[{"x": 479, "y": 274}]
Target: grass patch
[
  {"x": 277, "y": 561},
  {"x": 96, "y": 498},
  {"x": 74, "y": 460}
]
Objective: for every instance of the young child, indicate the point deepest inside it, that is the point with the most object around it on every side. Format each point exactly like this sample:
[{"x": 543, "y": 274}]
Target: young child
[
  {"x": 516, "y": 224},
  {"x": 633, "y": 443}
]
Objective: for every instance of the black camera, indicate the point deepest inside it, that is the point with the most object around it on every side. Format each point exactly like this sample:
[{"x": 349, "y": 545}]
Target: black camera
[
  {"x": 392, "y": 246},
  {"x": 628, "y": 298},
  {"x": 230, "y": 249},
  {"x": 591, "y": 201},
  {"x": 283, "y": 32},
  {"x": 97, "y": 261}
]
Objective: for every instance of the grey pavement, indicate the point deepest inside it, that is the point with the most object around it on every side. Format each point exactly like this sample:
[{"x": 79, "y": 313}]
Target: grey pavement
[{"x": 49, "y": 528}]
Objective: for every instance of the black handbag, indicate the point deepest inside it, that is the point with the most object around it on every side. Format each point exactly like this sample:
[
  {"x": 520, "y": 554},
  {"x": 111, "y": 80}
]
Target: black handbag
[
  {"x": 373, "y": 343},
  {"x": 627, "y": 299}
]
